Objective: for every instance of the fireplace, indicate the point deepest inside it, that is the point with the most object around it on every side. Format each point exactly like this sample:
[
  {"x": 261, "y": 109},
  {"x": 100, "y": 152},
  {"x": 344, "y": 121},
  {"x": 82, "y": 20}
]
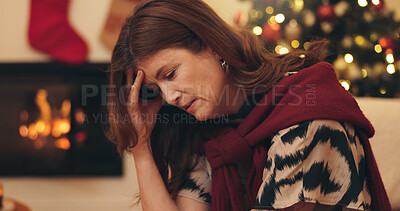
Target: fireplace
[{"x": 52, "y": 121}]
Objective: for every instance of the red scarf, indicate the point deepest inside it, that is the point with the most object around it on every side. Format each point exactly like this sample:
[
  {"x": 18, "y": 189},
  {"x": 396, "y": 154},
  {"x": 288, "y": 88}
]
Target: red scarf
[{"x": 312, "y": 93}]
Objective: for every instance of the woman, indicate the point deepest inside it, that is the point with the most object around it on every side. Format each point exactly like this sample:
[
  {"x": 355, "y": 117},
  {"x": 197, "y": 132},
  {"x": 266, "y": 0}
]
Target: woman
[{"x": 279, "y": 132}]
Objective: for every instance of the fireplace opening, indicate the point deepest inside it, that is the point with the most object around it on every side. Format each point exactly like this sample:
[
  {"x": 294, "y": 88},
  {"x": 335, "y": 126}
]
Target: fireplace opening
[{"x": 53, "y": 119}]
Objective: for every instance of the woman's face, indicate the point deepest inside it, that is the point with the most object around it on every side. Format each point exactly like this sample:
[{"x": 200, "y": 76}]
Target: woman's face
[{"x": 195, "y": 83}]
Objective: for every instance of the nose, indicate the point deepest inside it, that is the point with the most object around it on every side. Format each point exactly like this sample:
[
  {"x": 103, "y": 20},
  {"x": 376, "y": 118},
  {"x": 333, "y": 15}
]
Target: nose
[{"x": 170, "y": 94}]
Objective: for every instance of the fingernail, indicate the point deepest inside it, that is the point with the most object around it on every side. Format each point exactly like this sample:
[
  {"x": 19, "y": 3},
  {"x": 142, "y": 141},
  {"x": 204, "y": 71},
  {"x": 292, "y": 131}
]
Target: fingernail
[{"x": 139, "y": 73}]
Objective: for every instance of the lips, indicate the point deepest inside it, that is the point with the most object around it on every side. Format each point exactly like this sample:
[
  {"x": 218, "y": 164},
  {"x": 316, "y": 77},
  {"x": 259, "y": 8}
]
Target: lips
[{"x": 186, "y": 106}]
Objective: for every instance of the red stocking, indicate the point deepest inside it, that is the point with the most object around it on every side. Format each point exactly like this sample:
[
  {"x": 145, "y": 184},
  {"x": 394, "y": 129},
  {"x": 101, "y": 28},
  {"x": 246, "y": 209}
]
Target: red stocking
[{"x": 51, "y": 33}]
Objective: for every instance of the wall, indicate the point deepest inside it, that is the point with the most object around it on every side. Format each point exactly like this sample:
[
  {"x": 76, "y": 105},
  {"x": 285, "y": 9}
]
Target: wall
[
  {"x": 86, "y": 16},
  {"x": 384, "y": 115}
]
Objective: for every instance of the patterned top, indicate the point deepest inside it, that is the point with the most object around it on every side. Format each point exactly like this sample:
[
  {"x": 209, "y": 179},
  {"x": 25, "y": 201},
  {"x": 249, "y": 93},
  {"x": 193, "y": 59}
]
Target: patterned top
[{"x": 317, "y": 161}]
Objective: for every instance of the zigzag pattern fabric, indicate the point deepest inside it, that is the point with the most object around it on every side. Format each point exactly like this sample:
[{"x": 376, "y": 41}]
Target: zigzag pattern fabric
[{"x": 303, "y": 166}]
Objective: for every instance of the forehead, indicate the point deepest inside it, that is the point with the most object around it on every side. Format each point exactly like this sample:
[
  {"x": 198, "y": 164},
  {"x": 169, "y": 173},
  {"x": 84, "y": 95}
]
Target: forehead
[{"x": 161, "y": 60}]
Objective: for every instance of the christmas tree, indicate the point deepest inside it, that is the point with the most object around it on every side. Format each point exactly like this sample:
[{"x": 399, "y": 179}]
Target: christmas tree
[{"x": 364, "y": 36}]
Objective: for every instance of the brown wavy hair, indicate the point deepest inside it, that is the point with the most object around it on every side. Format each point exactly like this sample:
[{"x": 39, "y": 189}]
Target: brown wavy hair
[{"x": 155, "y": 25}]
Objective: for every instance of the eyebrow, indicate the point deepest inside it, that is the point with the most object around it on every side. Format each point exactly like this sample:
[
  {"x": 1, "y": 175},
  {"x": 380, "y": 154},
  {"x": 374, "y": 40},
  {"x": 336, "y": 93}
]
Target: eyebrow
[
  {"x": 162, "y": 69},
  {"x": 159, "y": 71}
]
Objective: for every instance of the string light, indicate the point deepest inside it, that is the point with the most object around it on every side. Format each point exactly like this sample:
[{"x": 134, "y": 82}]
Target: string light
[
  {"x": 376, "y": 2},
  {"x": 272, "y": 20},
  {"x": 382, "y": 90},
  {"x": 360, "y": 40},
  {"x": 279, "y": 18},
  {"x": 348, "y": 58},
  {"x": 373, "y": 37},
  {"x": 390, "y": 58},
  {"x": 345, "y": 84},
  {"x": 378, "y": 48},
  {"x": 269, "y": 10},
  {"x": 295, "y": 44},
  {"x": 253, "y": 13},
  {"x": 283, "y": 50},
  {"x": 362, "y": 3},
  {"x": 390, "y": 69},
  {"x": 364, "y": 73},
  {"x": 305, "y": 45},
  {"x": 298, "y": 5},
  {"x": 257, "y": 30},
  {"x": 278, "y": 48}
]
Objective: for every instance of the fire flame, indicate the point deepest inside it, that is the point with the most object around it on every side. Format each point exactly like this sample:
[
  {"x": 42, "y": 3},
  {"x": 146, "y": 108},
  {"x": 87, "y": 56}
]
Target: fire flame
[{"x": 46, "y": 124}]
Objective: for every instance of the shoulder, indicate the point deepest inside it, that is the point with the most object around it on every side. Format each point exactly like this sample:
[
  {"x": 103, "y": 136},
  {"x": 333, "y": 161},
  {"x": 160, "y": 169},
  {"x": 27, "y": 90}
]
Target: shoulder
[
  {"x": 318, "y": 161},
  {"x": 322, "y": 128},
  {"x": 321, "y": 134}
]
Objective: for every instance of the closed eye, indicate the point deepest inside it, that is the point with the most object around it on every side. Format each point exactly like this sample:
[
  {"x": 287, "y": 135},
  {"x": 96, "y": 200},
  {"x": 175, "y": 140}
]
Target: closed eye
[{"x": 170, "y": 75}]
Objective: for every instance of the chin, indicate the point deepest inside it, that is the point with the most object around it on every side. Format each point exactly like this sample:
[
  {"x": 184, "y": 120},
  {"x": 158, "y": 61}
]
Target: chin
[
  {"x": 205, "y": 116},
  {"x": 202, "y": 117},
  {"x": 205, "y": 112}
]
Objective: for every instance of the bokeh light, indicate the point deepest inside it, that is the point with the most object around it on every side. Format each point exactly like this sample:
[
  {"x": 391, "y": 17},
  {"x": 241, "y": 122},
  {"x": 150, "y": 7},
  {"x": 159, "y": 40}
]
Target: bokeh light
[
  {"x": 378, "y": 48},
  {"x": 345, "y": 84},
  {"x": 257, "y": 30},
  {"x": 362, "y": 3},
  {"x": 295, "y": 44},
  {"x": 279, "y": 18},
  {"x": 348, "y": 58},
  {"x": 269, "y": 10},
  {"x": 391, "y": 69}
]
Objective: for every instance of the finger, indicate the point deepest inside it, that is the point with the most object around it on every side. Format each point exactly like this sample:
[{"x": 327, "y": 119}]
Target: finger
[{"x": 135, "y": 90}]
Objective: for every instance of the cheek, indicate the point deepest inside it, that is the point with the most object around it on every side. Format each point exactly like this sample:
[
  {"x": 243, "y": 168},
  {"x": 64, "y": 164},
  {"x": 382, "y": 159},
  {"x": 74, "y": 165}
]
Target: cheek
[
  {"x": 206, "y": 81},
  {"x": 213, "y": 99},
  {"x": 217, "y": 86}
]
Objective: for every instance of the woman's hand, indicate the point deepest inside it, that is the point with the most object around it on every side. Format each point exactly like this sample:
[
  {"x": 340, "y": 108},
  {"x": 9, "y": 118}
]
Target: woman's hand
[
  {"x": 142, "y": 113},
  {"x": 153, "y": 192}
]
